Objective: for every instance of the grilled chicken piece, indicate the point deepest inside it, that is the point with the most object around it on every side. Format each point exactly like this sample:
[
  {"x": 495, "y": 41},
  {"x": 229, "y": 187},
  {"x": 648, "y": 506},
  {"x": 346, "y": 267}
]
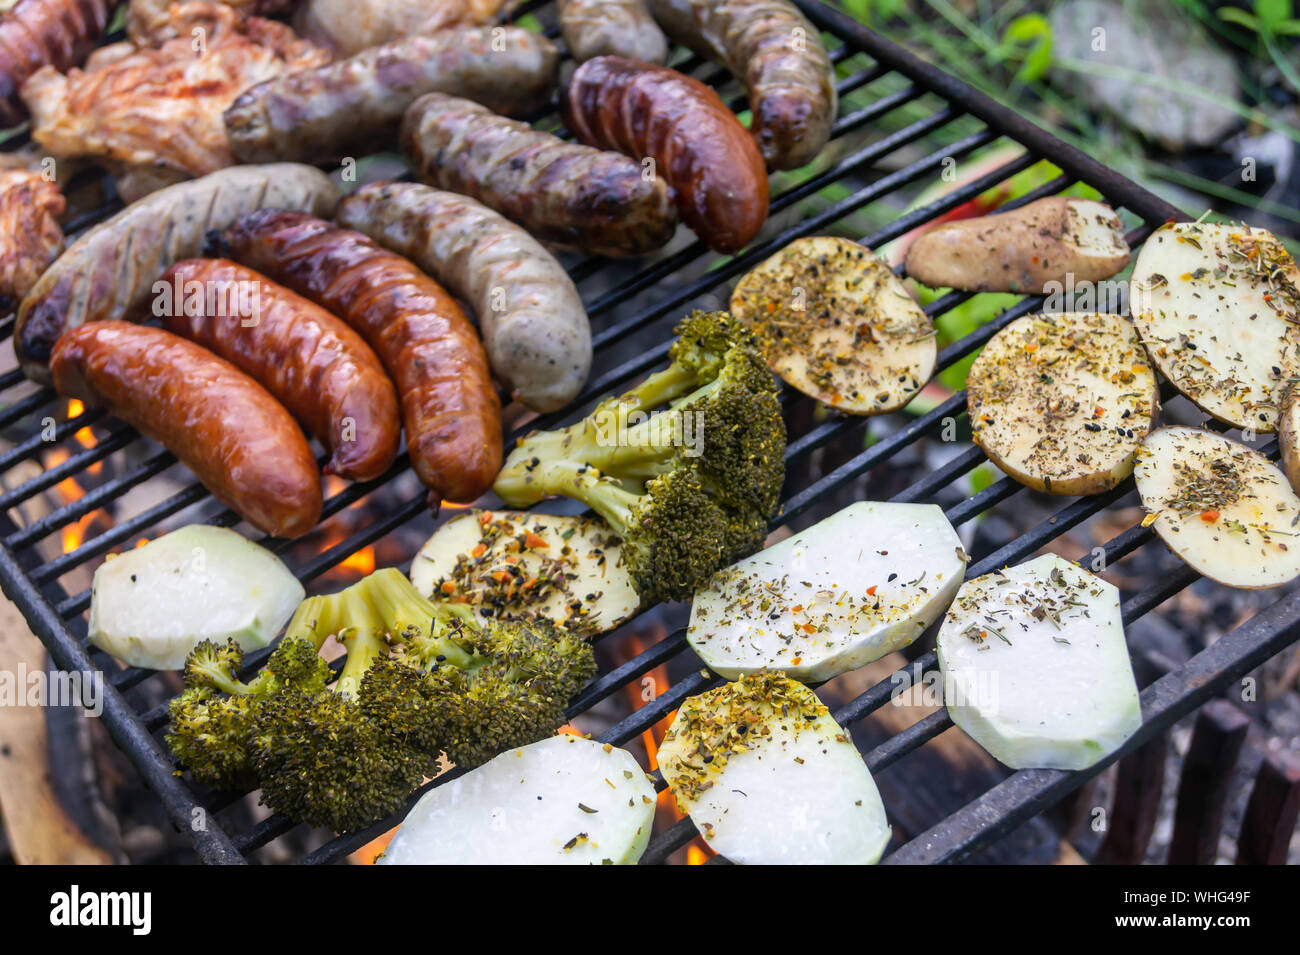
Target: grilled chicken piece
[
  {"x": 349, "y": 26},
  {"x": 30, "y": 236},
  {"x": 149, "y": 22},
  {"x": 153, "y": 114}
]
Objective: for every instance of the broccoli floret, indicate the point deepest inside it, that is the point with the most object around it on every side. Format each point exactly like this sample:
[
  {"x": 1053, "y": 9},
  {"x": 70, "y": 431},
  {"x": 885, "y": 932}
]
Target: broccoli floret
[
  {"x": 420, "y": 679},
  {"x": 686, "y": 467}
]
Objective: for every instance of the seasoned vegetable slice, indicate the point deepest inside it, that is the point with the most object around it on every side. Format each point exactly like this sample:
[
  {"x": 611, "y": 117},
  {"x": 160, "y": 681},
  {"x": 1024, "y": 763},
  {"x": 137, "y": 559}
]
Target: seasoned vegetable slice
[
  {"x": 1062, "y": 402},
  {"x": 769, "y": 777},
  {"x": 836, "y": 323},
  {"x": 864, "y": 582},
  {"x": 1219, "y": 311},
  {"x": 1223, "y": 508},
  {"x": 150, "y": 606},
  {"x": 513, "y": 564},
  {"x": 561, "y": 801},
  {"x": 1035, "y": 666}
]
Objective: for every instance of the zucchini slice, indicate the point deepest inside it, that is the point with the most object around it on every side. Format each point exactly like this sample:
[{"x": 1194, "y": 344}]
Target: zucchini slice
[
  {"x": 1223, "y": 508},
  {"x": 1219, "y": 311},
  {"x": 769, "y": 777},
  {"x": 515, "y": 564},
  {"x": 1062, "y": 402},
  {"x": 837, "y": 324},
  {"x": 862, "y": 583},
  {"x": 561, "y": 801},
  {"x": 1035, "y": 667}
]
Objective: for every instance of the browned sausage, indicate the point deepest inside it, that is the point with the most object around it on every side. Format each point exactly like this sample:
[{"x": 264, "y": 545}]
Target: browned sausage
[
  {"x": 772, "y": 48},
  {"x": 449, "y": 404},
  {"x": 352, "y": 107},
  {"x": 236, "y": 438},
  {"x": 596, "y": 200},
  {"x": 34, "y": 33},
  {"x": 594, "y": 28},
  {"x": 313, "y": 363},
  {"x": 698, "y": 145}
]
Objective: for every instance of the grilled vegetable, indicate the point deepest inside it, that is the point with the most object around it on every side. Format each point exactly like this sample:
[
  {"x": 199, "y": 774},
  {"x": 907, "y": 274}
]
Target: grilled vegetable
[
  {"x": 511, "y": 565},
  {"x": 862, "y": 583},
  {"x": 563, "y": 800},
  {"x": 1035, "y": 666},
  {"x": 151, "y": 606},
  {"x": 769, "y": 777},
  {"x": 1023, "y": 250},
  {"x": 835, "y": 322},
  {"x": 688, "y": 489},
  {"x": 1218, "y": 307},
  {"x": 1224, "y": 509},
  {"x": 1288, "y": 436},
  {"x": 1062, "y": 402},
  {"x": 345, "y": 756}
]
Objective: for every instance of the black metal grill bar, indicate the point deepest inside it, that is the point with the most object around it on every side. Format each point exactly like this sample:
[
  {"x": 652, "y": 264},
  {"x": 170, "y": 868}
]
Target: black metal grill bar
[
  {"x": 30, "y": 447},
  {"x": 118, "y": 437}
]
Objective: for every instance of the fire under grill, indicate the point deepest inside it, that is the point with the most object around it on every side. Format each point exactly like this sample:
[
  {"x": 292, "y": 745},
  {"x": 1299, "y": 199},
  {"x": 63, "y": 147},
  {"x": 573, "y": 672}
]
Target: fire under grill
[{"x": 931, "y": 120}]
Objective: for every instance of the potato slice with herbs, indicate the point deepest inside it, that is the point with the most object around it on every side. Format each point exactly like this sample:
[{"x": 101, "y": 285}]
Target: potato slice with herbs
[
  {"x": 1062, "y": 402},
  {"x": 1022, "y": 250},
  {"x": 770, "y": 778},
  {"x": 515, "y": 564},
  {"x": 1218, "y": 307},
  {"x": 1035, "y": 666},
  {"x": 561, "y": 801},
  {"x": 864, "y": 582},
  {"x": 1223, "y": 508},
  {"x": 837, "y": 324}
]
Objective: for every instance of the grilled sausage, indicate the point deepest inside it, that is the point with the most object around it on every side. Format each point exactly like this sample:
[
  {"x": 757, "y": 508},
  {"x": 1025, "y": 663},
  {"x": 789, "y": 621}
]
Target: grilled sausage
[
  {"x": 560, "y": 192},
  {"x": 36, "y": 33},
  {"x": 30, "y": 234},
  {"x": 110, "y": 270},
  {"x": 534, "y": 326},
  {"x": 449, "y": 405},
  {"x": 779, "y": 56},
  {"x": 350, "y": 26},
  {"x": 238, "y": 440},
  {"x": 595, "y": 28},
  {"x": 698, "y": 145},
  {"x": 349, "y": 107},
  {"x": 313, "y": 363}
]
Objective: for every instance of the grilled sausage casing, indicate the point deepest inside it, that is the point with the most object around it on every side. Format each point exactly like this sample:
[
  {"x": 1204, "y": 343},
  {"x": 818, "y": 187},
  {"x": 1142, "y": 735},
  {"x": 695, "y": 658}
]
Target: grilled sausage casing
[
  {"x": 109, "y": 271},
  {"x": 313, "y": 363},
  {"x": 595, "y": 28},
  {"x": 238, "y": 440},
  {"x": 347, "y": 107},
  {"x": 534, "y": 326},
  {"x": 698, "y": 145},
  {"x": 449, "y": 404},
  {"x": 779, "y": 55},
  {"x": 560, "y": 192},
  {"x": 36, "y": 33}
]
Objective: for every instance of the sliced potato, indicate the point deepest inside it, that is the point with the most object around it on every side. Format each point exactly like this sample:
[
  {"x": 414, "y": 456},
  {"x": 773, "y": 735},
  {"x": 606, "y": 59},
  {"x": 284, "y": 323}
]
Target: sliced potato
[
  {"x": 836, "y": 323},
  {"x": 770, "y": 778},
  {"x": 515, "y": 564},
  {"x": 1035, "y": 667},
  {"x": 1062, "y": 402},
  {"x": 1023, "y": 250},
  {"x": 561, "y": 801},
  {"x": 1224, "y": 509},
  {"x": 864, "y": 582},
  {"x": 151, "y": 605},
  {"x": 1218, "y": 309}
]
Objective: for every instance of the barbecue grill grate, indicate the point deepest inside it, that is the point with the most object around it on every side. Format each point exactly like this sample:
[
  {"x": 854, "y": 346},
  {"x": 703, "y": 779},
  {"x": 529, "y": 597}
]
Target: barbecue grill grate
[{"x": 864, "y": 60}]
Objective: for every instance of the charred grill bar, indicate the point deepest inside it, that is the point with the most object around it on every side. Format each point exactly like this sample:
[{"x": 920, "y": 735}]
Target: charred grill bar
[{"x": 58, "y": 617}]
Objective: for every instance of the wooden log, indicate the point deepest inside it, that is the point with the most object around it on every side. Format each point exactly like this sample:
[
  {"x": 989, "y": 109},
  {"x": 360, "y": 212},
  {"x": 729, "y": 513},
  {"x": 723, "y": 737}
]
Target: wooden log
[
  {"x": 1203, "y": 788},
  {"x": 1271, "y": 813}
]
